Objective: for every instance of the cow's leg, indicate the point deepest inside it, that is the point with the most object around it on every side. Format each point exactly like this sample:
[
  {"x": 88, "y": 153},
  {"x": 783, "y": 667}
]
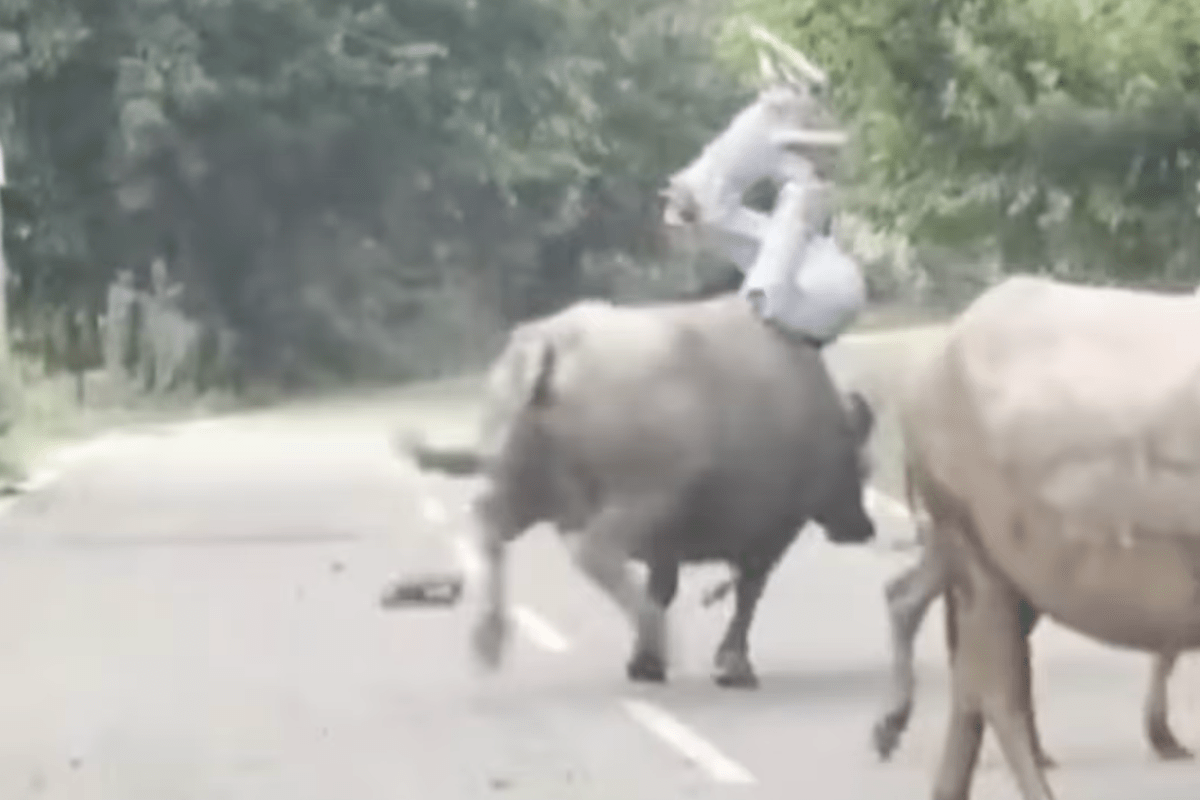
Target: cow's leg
[
  {"x": 498, "y": 522},
  {"x": 1028, "y": 618},
  {"x": 990, "y": 667},
  {"x": 964, "y": 732},
  {"x": 1158, "y": 730},
  {"x": 909, "y": 596},
  {"x": 663, "y": 582},
  {"x": 602, "y": 552},
  {"x": 497, "y": 526},
  {"x": 733, "y": 668}
]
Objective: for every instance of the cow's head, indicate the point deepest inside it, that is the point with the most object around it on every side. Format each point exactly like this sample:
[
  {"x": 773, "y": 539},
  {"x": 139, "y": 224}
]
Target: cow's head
[{"x": 844, "y": 516}]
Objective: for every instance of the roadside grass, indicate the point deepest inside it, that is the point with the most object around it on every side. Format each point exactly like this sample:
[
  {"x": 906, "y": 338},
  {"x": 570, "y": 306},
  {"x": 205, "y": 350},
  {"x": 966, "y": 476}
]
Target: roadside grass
[{"x": 45, "y": 413}]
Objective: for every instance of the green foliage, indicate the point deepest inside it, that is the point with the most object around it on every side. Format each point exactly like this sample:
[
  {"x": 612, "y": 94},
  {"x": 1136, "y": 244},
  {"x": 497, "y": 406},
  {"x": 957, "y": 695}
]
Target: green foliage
[
  {"x": 1064, "y": 132},
  {"x": 376, "y": 188},
  {"x": 321, "y": 174}
]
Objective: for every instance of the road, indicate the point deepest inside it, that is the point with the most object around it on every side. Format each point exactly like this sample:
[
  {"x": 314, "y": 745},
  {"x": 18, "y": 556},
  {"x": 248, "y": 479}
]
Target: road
[{"x": 190, "y": 613}]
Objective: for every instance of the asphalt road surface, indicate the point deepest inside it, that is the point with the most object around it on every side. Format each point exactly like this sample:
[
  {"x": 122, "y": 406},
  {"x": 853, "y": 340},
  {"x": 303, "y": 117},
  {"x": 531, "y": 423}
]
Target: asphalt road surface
[{"x": 191, "y": 613}]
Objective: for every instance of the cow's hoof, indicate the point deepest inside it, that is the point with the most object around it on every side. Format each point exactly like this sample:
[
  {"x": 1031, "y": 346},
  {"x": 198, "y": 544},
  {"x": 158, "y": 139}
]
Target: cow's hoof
[
  {"x": 886, "y": 733},
  {"x": 1168, "y": 748},
  {"x": 1176, "y": 753},
  {"x": 646, "y": 667},
  {"x": 734, "y": 671}
]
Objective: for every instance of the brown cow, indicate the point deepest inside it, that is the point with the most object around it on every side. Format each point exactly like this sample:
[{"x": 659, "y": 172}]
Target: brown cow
[
  {"x": 909, "y": 596},
  {"x": 1054, "y": 440},
  {"x": 668, "y": 434}
]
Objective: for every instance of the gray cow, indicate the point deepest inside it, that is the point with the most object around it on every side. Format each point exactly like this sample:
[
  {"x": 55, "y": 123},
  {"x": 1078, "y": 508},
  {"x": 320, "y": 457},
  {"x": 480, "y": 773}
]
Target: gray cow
[{"x": 666, "y": 434}]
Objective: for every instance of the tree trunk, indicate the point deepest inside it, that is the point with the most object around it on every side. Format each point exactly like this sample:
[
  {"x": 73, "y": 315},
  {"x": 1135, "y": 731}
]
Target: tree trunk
[{"x": 3, "y": 281}]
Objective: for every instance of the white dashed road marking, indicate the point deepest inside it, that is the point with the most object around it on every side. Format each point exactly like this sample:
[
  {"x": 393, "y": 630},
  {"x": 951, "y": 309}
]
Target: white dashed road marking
[
  {"x": 55, "y": 464},
  {"x": 687, "y": 743},
  {"x": 692, "y": 746},
  {"x": 535, "y": 627},
  {"x": 886, "y": 503},
  {"x": 468, "y": 557},
  {"x": 434, "y": 511},
  {"x": 40, "y": 479},
  {"x": 539, "y": 631},
  {"x": 878, "y": 502}
]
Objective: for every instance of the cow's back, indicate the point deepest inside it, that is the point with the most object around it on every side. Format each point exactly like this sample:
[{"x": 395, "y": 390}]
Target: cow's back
[
  {"x": 1056, "y": 367},
  {"x": 1042, "y": 415}
]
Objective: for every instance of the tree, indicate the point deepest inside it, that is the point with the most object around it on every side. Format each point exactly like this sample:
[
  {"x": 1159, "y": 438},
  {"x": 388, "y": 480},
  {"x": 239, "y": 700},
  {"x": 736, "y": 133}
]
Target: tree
[
  {"x": 331, "y": 179},
  {"x": 1064, "y": 134}
]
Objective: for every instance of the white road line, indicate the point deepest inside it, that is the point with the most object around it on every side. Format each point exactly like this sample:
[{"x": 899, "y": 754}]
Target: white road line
[
  {"x": 58, "y": 462},
  {"x": 882, "y": 503},
  {"x": 468, "y": 557},
  {"x": 886, "y": 503},
  {"x": 40, "y": 479},
  {"x": 687, "y": 742},
  {"x": 535, "y": 627},
  {"x": 202, "y": 425},
  {"x": 434, "y": 511},
  {"x": 539, "y": 631}
]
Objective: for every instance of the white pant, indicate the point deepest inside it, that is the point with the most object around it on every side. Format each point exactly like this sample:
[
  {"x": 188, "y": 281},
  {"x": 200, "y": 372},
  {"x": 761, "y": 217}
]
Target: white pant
[{"x": 801, "y": 280}]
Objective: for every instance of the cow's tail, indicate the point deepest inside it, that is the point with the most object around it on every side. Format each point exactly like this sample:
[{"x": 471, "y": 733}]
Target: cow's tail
[
  {"x": 910, "y": 489},
  {"x": 537, "y": 390},
  {"x": 912, "y": 498},
  {"x": 717, "y": 592},
  {"x": 528, "y": 377},
  {"x": 541, "y": 388}
]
